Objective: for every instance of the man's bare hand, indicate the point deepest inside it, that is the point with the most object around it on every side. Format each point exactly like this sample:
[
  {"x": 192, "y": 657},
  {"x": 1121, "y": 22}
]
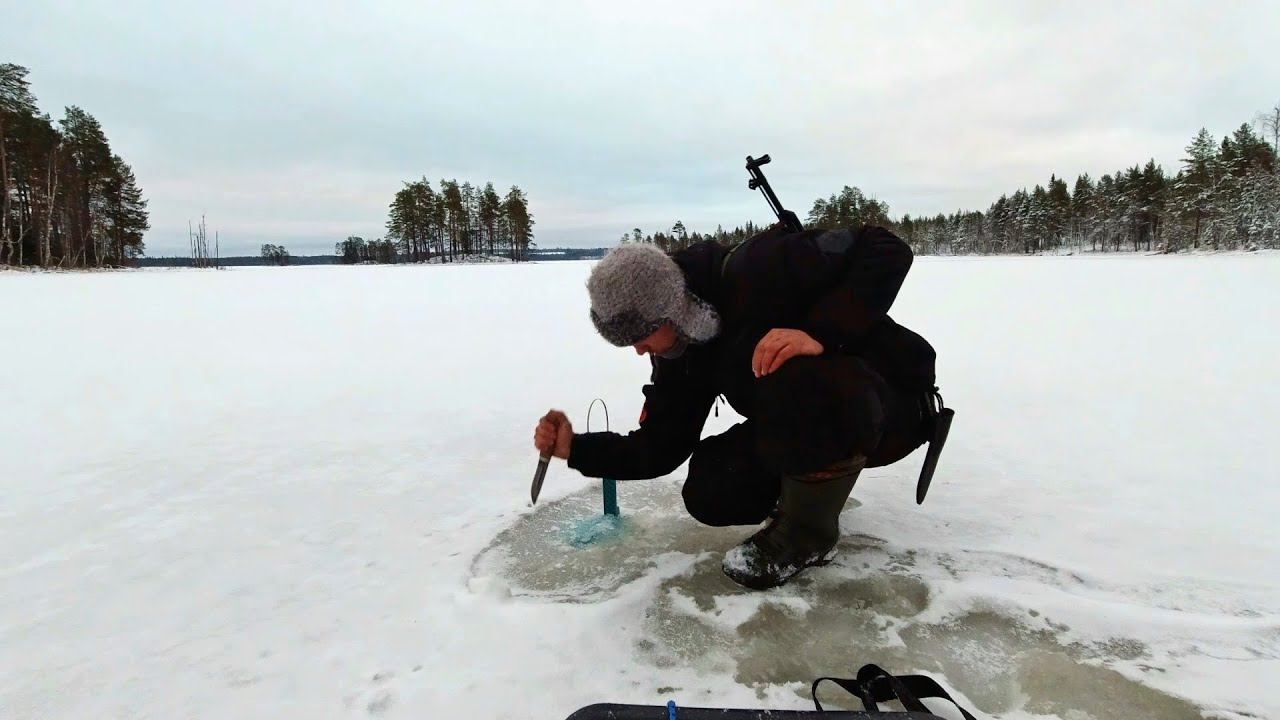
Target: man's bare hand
[
  {"x": 779, "y": 346},
  {"x": 553, "y": 435}
]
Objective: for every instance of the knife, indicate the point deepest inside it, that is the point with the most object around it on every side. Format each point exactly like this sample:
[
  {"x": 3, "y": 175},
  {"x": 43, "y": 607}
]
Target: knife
[{"x": 538, "y": 476}]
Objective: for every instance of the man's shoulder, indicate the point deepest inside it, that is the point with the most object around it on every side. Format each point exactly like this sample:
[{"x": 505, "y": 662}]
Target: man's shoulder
[
  {"x": 700, "y": 263},
  {"x": 699, "y": 249}
]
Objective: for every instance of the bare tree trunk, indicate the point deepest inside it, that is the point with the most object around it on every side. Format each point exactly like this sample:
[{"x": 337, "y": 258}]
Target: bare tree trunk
[
  {"x": 22, "y": 230},
  {"x": 86, "y": 226},
  {"x": 46, "y": 246},
  {"x": 199, "y": 239},
  {"x": 1269, "y": 122},
  {"x": 4, "y": 188}
]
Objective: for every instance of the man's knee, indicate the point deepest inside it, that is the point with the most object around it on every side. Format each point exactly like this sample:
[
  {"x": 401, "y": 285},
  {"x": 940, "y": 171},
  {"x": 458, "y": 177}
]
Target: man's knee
[
  {"x": 725, "y": 504},
  {"x": 703, "y": 506},
  {"x": 726, "y": 484}
]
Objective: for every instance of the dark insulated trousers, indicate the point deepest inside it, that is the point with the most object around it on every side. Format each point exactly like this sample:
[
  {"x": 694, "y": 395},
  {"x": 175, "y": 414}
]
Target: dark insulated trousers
[{"x": 812, "y": 412}]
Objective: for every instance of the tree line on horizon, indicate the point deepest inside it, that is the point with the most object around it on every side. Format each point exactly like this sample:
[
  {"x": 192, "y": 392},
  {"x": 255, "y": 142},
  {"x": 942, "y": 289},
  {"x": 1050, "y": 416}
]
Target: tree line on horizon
[
  {"x": 460, "y": 221},
  {"x": 680, "y": 237},
  {"x": 1226, "y": 196},
  {"x": 66, "y": 199}
]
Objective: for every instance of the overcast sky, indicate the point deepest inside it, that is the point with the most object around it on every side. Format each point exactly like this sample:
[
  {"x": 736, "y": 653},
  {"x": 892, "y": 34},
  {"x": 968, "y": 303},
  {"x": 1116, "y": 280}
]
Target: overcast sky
[{"x": 296, "y": 123}]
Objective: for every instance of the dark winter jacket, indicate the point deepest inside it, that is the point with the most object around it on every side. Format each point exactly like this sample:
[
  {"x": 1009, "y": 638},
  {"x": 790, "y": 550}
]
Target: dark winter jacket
[{"x": 835, "y": 285}]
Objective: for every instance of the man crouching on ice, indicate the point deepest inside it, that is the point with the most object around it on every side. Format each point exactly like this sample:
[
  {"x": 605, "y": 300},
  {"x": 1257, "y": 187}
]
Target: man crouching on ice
[{"x": 791, "y": 328}]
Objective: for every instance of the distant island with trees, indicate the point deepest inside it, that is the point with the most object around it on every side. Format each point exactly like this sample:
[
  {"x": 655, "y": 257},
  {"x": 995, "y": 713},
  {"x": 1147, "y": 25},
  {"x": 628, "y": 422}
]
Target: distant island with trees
[{"x": 533, "y": 255}]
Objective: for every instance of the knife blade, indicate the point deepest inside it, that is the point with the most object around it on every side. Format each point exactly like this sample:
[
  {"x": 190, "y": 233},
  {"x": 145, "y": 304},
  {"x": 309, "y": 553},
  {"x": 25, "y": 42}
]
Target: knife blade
[{"x": 538, "y": 476}]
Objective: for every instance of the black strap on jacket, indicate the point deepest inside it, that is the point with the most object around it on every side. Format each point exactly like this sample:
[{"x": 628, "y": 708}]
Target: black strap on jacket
[{"x": 874, "y": 685}]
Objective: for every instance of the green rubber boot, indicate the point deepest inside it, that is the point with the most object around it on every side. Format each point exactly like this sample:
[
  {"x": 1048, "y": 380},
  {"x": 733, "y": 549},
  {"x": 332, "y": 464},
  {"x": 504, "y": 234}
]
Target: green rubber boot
[{"x": 803, "y": 533}]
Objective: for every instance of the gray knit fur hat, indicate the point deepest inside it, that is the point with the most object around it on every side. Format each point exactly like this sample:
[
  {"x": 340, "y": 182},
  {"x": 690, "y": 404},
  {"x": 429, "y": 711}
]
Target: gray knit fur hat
[{"x": 637, "y": 287}]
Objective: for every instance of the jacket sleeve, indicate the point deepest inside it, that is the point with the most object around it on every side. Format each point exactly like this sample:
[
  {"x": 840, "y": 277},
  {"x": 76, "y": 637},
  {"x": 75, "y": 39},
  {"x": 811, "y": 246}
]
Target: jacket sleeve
[
  {"x": 675, "y": 409},
  {"x": 870, "y": 265}
]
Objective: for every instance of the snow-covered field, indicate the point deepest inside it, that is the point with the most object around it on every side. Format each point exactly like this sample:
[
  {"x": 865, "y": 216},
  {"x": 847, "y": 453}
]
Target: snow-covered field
[{"x": 303, "y": 493}]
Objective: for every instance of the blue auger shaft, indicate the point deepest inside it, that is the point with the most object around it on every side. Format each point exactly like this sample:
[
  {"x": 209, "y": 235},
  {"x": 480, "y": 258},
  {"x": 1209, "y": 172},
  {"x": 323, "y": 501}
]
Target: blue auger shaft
[{"x": 611, "y": 497}]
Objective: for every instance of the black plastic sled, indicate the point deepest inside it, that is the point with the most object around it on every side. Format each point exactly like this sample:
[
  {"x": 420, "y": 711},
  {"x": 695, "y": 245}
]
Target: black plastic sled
[
  {"x": 872, "y": 685},
  {"x": 605, "y": 711}
]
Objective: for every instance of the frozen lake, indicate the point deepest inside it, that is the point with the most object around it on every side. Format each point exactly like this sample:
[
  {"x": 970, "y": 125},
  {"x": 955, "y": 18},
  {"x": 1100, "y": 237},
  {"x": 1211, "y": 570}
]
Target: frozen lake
[{"x": 303, "y": 492}]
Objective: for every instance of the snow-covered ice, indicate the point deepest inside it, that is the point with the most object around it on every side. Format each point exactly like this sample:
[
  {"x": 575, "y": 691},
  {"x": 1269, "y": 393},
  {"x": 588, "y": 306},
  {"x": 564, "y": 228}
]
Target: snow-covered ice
[{"x": 303, "y": 492}]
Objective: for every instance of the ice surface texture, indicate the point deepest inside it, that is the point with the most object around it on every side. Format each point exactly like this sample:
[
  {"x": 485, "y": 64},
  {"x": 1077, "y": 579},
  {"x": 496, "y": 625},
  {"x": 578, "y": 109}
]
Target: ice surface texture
[
  {"x": 303, "y": 492},
  {"x": 870, "y": 605}
]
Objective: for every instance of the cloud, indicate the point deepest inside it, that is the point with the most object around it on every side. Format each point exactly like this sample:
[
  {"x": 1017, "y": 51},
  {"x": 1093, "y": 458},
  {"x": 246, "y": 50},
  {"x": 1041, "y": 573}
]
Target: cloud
[{"x": 295, "y": 123}]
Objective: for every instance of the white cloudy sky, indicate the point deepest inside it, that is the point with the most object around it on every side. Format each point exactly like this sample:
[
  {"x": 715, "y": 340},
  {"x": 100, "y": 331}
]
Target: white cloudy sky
[{"x": 296, "y": 123}]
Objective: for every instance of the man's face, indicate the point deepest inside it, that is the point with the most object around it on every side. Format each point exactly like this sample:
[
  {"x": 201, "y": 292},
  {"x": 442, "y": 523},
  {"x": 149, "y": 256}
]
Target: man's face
[{"x": 660, "y": 342}]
